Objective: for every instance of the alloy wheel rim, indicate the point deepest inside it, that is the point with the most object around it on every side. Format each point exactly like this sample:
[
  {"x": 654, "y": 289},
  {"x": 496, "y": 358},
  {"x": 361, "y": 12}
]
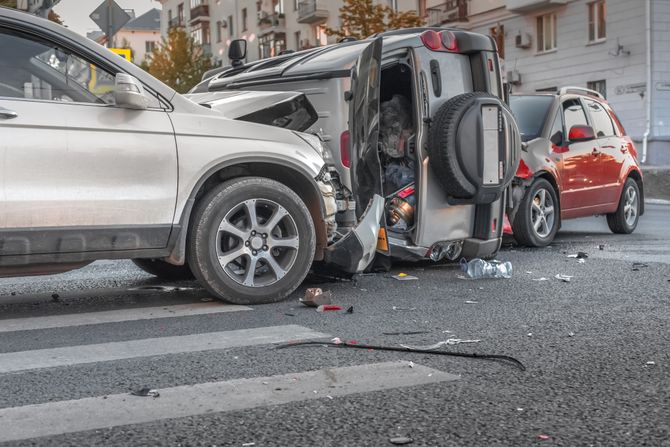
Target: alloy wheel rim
[
  {"x": 630, "y": 206},
  {"x": 542, "y": 213},
  {"x": 257, "y": 243}
]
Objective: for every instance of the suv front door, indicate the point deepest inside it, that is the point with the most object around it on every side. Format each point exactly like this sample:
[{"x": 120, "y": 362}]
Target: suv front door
[
  {"x": 581, "y": 166},
  {"x": 79, "y": 174}
]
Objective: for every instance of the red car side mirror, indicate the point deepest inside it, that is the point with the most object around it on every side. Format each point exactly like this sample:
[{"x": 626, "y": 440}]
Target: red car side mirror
[{"x": 581, "y": 133}]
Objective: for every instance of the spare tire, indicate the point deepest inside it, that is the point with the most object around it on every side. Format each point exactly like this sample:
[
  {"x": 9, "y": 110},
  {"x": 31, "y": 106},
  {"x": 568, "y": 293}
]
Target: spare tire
[{"x": 473, "y": 144}]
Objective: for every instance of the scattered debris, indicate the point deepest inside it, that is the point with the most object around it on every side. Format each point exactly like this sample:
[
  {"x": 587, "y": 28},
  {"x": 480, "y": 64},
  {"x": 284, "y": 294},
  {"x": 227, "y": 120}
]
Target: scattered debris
[
  {"x": 328, "y": 308},
  {"x": 401, "y": 440},
  {"x": 406, "y": 333},
  {"x": 564, "y": 278},
  {"x": 581, "y": 261},
  {"x": 471, "y": 302},
  {"x": 601, "y": 247},
  {"x": 541, "y": 279},
  {"x": 543, "y": 437},
  {"x": 410, "y": 364},
  {"x": 650, "y": 363},
  {"x": 162, "y": 288},
  {"x": 530, "y": 334},
  {"x": 145, "y": 392},
  {"x": 571, "y": 334},
  {"x": 248, "y": 444},
  {"x": 55, "y": 297},
  {"x": 519, "y": 409},
  {"x": 579, "y": 255},
  {"x": 639, "y": 265},
  {"x": 315, "y": 297},
  {"x": 478, "y": 268},
  {"x": 403, "y": 308},
  {"x": 206, "y": 300},
  {"x": 356, "y": 345},
  {"x": 404, "y": 277},
  {"x": 336, "y": 340},
  {"x": 330, "y": 397},
  {"x": 350, "y": 310},
  {"x": 528, "y": 272},
  {"x": 289, "y": 314},
  {"x": 449, "y": 342}
]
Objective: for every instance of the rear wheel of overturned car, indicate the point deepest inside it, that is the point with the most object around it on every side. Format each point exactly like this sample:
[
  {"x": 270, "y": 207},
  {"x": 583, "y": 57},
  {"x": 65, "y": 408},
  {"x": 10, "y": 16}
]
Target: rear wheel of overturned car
[
  {"x": 164, "y": 270},
  {"x": 536, "y": 221},
  {"x": 624, "y": 220},
  {"x": 251, "y": 241}
]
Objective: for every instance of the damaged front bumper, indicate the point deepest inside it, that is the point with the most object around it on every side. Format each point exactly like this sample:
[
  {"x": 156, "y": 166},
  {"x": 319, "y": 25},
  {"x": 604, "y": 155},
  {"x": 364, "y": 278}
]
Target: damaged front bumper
[{"x": 356, "y": 250}]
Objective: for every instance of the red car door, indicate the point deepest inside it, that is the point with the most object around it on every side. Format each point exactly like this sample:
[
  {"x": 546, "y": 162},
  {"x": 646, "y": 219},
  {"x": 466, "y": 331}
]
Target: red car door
[
  {"x": 581, "y": 169},
  {"x": 611, "y": 156}
]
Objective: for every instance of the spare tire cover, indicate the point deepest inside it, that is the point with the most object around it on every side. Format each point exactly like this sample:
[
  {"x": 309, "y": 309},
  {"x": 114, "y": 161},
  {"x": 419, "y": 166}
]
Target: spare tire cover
[{"x": 473, "y": 144}]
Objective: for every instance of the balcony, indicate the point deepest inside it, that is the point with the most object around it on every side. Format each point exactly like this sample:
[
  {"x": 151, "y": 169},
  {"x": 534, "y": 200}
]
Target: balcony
[
  {"x": 175, "y": 23},
  {"x": 199, "y": 14},
  {"x": 452, "y": 11},
  {"x": 525, "y": 6},
  {"x": 312, "y": 11},
  {"x": 271, "y": 23}
]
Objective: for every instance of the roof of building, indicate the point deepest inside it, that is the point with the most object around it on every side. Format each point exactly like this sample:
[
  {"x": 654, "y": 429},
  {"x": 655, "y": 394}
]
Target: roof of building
[{"x": 149, "y": 21}]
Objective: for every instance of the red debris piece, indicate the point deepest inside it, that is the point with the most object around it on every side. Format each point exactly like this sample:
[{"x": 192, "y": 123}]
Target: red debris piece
[
  {"x": 328, "y": 308},
  {"x": 543, "y": 437}
]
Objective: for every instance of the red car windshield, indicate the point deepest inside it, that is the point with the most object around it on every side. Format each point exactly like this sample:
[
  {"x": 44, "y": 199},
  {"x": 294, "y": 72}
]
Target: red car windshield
[{"x": 531, "y": 113}]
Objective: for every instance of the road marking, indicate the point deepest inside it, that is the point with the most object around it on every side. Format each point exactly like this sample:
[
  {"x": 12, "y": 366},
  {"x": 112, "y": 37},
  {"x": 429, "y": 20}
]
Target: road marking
[
  {"x": 116, "y": 316},
  {"x": 104, "y": 352},
  {"x": 55, "y": 418}
]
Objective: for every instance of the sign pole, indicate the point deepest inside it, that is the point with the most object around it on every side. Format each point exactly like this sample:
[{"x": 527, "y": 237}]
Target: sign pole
[{"x": 110, "y": 24}]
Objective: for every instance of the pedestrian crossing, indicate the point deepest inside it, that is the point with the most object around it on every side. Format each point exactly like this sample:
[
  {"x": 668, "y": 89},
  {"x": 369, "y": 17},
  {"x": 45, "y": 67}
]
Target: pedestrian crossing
[{"x": 53, "y": 418}]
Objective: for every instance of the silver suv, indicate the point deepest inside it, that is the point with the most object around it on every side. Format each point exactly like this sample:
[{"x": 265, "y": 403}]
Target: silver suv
[
  {"x": 102, "y": 161},
  {"x": 415, "y": 116}
]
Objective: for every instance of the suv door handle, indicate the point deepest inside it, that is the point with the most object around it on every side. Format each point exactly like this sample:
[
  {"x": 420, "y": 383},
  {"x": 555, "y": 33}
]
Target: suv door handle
[{"x": 7, "y": 114}]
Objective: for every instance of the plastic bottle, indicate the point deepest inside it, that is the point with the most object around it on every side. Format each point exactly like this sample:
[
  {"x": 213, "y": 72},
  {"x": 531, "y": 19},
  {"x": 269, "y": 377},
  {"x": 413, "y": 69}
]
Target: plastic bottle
[{"x": 478, "y": 268}]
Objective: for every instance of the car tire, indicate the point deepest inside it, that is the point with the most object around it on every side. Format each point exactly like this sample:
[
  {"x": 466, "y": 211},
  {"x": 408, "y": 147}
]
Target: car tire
[
  {"x": 247, "y": 259},
  {"x": 625, "y": 218},
  {"x": 164, "y": 270},
  {"x": 533, "y": 225}
]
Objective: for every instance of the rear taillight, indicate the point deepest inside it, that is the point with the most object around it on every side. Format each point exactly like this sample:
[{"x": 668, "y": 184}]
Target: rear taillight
[
  {"x": 344, "y": 149},
  {"x": 442, "y": 41}
]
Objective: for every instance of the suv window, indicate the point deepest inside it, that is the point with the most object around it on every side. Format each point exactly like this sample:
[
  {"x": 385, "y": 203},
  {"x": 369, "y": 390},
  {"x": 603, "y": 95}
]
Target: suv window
[
  {"x": 574, "y": 114},
  {"x": 602, "y": 124},
  {"x": 35, "y": 69}
]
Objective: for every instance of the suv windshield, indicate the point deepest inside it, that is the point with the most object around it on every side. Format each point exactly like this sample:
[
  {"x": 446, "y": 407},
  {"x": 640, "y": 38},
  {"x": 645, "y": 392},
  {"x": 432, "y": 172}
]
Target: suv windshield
[{"x": 531, "y": 113}]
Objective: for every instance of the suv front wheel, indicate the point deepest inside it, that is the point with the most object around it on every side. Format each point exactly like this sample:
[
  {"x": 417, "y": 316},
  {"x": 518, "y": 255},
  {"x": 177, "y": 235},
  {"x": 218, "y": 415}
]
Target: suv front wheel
[
  {"x": 536, "y": 221},
  {"x": 251, "y": 241}
]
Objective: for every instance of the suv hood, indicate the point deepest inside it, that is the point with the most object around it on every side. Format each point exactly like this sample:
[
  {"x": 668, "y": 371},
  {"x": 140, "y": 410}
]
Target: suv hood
[{"x": 288, "y": 110}]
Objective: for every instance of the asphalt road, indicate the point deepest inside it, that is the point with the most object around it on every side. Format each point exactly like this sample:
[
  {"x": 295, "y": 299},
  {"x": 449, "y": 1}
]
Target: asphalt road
[{"x": 73, "y": 346}]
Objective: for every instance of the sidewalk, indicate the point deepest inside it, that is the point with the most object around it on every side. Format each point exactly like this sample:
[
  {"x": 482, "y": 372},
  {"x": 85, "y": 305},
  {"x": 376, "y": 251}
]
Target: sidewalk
[{"x": 656, "y": 182}]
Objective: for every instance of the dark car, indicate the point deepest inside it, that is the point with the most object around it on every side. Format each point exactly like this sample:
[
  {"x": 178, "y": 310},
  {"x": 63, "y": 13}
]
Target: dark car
[{"x": 576, "y": 161}]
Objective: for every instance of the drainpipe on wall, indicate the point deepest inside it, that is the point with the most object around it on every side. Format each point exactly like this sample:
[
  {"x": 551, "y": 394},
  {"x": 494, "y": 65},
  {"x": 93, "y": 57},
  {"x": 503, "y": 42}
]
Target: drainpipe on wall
[{"x": 647, "y": 131}]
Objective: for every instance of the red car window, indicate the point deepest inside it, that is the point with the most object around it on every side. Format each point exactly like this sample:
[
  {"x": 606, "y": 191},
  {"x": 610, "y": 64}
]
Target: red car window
[
  {"x": 602, "y": 123},
  {"x": 615, "y": 119}
]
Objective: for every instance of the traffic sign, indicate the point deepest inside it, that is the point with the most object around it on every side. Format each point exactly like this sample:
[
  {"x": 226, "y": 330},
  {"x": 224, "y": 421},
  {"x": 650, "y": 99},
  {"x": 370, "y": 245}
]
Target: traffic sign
[{"x": 110, "y": 17}]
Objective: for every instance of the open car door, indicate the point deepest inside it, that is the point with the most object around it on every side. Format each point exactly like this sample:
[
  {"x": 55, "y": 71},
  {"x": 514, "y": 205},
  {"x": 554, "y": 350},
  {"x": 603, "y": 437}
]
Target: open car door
[{"x": 356, "y": 250}]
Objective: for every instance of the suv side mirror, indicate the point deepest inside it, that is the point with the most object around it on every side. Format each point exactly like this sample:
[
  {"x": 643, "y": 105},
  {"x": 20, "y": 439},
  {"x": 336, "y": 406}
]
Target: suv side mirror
[
  {"x": 581, "y": 133},
  {"x": 129, "y": 93},
  {"x": 237, "y": 52}
]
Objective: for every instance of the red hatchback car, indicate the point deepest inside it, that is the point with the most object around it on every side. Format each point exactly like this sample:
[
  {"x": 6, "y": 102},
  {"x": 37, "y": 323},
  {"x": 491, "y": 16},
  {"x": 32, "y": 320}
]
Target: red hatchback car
[{"x": 576, "y": 161}]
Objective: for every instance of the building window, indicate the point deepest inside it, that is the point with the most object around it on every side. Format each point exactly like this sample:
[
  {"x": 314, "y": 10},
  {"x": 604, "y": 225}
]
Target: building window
[
  {"x": 320, "y": 34},
  {"x": 597, "y": 21},
  {"x": 196, "y": 34},
  {"x": 271, "y": 45},
  {"x": 180, "y": 14},
  {"x": 231, "y": 30},
  {"x": 546, "y": 33},
  {"x": 149, "y": 46},
  {"x": 278, "y": 6},
  {"x": 244, "y": 19},
  {"x": 598, "y": 86},
  {"x": 219, "y": 37},
  {"x": 169, "y": 17},
  {"x": 298, "y": 43},
  {"x": 295, "y": 4}
]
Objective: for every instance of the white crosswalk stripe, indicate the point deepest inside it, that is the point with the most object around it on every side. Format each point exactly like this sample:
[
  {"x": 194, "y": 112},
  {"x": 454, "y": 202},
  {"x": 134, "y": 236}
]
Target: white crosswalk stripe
[
  {"x": 116, "y": 316},
  {"x": 104, "y": 352},
  {"x": 122, "y": 409}
]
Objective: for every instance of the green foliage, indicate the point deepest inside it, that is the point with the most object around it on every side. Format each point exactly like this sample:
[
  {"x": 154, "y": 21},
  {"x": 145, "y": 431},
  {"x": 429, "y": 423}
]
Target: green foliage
[
  {"x": 362, "y": 18},
  {"x": 179, "y": 61},
  {"x": 8, "y": 3}
]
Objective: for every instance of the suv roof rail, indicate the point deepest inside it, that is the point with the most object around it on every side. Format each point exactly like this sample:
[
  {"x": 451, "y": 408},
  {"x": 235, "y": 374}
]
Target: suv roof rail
[{"x": 580, "y": 91}]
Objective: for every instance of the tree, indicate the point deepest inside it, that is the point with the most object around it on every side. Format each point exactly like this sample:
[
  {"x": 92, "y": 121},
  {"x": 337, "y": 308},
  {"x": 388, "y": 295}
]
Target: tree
[
  {"x": 8, "y": 3},
  {"x": 362, "y": 18},
  {"x": 179, "y": 61}
]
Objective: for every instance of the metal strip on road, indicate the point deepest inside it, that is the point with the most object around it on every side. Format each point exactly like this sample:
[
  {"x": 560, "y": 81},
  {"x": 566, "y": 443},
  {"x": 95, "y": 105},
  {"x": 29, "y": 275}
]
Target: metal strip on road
[
  {"x": 116, "y": 316},
  {"x": 104, "y": 352},
  {"x": 55, "y": 418}
]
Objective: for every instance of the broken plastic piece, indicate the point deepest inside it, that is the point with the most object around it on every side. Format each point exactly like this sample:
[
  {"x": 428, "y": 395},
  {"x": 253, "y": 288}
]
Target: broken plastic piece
[
  {"x": 543, "y": 437},
  {"x": 328, "y": 308},
  {"x": 639, "y": 265},
  {"x": 315, "y": 297},
  {"x": 471, "y": 302},
  {"x": 449, "y": 342},
  {"x": 401, "y": 440},
  {"x": 145, "y": 392},
  {"x": 541, "y": 279},
  {"x": 478, "y": 268},
  {"x": 564, "y": 278},
  {"x": 403, "y": 308},
  {"x": 650, "y": 363},
  {"x": 404, "y": 277},
  {"x": 579, "y": 255},
  {"x": 350, "y": 310}
]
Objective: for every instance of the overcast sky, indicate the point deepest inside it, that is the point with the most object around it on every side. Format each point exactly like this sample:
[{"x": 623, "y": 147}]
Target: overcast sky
[{"x": 75, "y": 13}]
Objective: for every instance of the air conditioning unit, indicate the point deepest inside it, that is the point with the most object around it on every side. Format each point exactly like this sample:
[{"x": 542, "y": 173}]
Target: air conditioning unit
[
  {"x": 523, "y": 40},
  {"x": 514, "y": 77}
]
